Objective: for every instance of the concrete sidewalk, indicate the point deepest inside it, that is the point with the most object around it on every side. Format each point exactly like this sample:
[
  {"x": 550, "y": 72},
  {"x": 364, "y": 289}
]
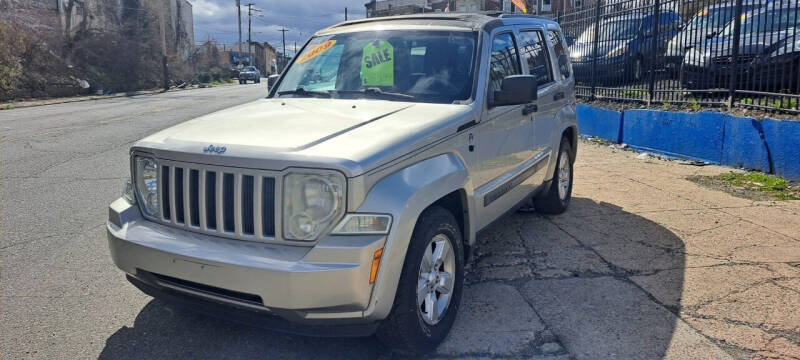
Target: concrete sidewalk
[{"x": 644, "y": 265}]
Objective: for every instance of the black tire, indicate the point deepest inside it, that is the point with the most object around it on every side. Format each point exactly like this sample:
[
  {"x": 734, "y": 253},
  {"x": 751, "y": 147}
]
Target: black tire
[
  {"x": 405, "y": 330},
  {"x": 551, "y": 201},
  {"x": 241, "y": 82}
]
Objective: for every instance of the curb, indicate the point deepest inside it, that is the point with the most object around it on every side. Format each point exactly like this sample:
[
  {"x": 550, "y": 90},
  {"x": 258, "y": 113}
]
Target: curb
[
  {"x": 33, "y": 103},
  {"x": 767, "y": 145}
]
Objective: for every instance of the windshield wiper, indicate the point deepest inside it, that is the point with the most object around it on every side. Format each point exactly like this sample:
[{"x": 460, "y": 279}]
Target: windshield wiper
[
  {"x": 378, "y": 93},
  {"x": 301, "y": 91}
]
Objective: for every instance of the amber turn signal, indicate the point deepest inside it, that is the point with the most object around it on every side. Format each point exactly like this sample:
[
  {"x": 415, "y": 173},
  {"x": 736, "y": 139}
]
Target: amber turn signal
[{"x": 376, "y": 262}]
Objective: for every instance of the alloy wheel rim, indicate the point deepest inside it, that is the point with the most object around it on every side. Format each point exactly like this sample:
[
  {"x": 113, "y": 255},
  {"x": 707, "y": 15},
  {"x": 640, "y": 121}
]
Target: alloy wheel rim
[
  {"x": 436, "y": 280},
  {"x": 563, "y": 175}
]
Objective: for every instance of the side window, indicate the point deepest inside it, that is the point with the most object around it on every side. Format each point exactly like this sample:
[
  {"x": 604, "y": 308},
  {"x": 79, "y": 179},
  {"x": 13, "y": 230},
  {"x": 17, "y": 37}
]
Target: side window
[
  {"x": 505, "y": 61},
  {"x": 562, "y": 58},
  {"x": 534, "y": 52}
]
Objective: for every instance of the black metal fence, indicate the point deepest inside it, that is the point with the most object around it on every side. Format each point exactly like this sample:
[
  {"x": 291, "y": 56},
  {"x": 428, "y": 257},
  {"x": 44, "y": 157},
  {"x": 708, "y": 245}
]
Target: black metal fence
[{"x": 743, "y": 53}]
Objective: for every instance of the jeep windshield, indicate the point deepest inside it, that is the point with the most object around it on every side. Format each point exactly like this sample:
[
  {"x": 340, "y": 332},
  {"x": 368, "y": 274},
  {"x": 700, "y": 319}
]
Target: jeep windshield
[{"x": 396, "y": 65}]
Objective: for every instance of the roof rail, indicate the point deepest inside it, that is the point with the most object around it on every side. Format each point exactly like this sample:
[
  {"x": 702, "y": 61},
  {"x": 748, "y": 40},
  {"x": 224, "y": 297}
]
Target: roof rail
[
  {"x": 505, "y": 15},
  {"x": 423, "y": 16}
]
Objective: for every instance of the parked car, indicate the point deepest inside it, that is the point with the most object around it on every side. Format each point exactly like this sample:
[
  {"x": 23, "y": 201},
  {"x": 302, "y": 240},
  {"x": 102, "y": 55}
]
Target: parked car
[
  {"x": 777, "y": 67},
  {"x": 763, "y": 48},
  {"x": 707, "y": 23},
  {"x": 249, "y": 73},
  {"x": 625, "y": 46},
  {"x": 234, "y": 72},
  {"x": 351, "y": 209}
]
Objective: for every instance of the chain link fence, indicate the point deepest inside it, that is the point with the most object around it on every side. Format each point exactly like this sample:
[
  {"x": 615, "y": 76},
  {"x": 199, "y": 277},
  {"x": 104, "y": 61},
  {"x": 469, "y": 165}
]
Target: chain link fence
[{"x": 735, "y": 53}]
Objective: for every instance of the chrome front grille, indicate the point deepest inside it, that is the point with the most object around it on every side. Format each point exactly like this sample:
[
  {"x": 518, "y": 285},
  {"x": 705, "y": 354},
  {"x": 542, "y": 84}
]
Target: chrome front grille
[{"x": 234, "y": 203}]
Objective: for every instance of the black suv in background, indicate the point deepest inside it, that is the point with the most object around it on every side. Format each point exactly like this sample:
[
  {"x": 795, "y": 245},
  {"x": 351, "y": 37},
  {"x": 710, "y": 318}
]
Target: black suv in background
[
  {"x": 768, "y": 52},
  {"x": 707, "y": 23},
  {"x": 625, "y": 46}
]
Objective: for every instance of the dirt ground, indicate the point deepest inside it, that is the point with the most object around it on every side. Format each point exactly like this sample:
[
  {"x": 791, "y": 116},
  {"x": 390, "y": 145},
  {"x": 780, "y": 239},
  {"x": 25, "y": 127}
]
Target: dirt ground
[{"x": 644, "y": 265}]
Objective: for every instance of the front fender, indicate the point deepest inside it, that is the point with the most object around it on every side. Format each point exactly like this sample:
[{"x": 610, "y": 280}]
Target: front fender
[{"x": 405, "y": 194}]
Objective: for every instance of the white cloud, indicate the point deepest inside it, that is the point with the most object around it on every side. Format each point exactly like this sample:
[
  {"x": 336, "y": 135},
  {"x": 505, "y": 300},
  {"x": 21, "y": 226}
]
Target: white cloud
[{"x": 216, "y": 19}]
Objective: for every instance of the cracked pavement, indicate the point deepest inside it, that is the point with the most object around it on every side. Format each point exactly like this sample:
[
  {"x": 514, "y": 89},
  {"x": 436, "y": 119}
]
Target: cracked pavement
[{"x": 644, "y": 265}]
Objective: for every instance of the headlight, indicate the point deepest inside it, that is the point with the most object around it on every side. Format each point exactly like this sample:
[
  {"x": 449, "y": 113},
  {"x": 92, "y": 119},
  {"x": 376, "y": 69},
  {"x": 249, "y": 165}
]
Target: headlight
[
  {"x": 619, "y": 50},
  {"x": 674, "y": 47},
  {"x": 694, "y": 57},
  {"x": 146, "y": 174},
  {"x": 311, "y": 203}
]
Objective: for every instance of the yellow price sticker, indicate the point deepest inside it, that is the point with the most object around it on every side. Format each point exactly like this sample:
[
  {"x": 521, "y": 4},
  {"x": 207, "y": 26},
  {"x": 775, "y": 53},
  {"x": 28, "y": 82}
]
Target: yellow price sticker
[{"x": 316, "y": 51}]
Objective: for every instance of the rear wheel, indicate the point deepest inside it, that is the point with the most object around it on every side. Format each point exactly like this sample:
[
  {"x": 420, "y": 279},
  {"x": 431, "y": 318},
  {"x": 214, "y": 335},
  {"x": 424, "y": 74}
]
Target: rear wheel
[
  {"x": 429, "y": 292},
  {"x": 556, "y": 199}
]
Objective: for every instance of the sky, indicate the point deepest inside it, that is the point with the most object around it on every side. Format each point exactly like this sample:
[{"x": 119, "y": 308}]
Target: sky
[{"x": 216, "y": 19}]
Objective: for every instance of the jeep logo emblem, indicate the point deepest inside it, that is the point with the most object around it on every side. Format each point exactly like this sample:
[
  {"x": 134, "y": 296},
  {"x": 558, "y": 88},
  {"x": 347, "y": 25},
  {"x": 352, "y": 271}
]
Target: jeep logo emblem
[{"x": 215, "y": 149}]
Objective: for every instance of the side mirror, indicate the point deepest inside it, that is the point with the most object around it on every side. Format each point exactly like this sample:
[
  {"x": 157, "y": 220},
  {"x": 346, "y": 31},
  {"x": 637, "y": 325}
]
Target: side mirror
[{"x": 515, "y": 90}]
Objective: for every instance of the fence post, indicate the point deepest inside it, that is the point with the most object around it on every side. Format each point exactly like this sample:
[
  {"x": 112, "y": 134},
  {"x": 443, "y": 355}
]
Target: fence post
[
  {"x": 653, "y": 50},
  {"x": 596, "y": 43},
  {"x": 737, "y": 24}
]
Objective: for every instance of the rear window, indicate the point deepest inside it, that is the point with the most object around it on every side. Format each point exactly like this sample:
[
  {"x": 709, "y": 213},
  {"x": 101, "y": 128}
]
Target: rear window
[{"x": 559, "y": 49}]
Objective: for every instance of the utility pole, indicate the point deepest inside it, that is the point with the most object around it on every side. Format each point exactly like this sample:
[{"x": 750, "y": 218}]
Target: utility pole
[
  {"x": 239, "y": 15},
  {"x": 283, "y": 35},
  {"x": 249, "y": 27}
]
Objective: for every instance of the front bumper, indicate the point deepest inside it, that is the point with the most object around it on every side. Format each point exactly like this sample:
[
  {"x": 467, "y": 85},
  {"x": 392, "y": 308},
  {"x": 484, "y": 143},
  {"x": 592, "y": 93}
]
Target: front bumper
[{"x": 320, "y": 285}]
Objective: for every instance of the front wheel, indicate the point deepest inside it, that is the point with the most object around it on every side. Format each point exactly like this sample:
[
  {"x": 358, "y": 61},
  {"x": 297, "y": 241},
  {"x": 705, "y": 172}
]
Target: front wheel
[
  {"x": 556, "y": 199},
  {"x": 429, "y": 292}
]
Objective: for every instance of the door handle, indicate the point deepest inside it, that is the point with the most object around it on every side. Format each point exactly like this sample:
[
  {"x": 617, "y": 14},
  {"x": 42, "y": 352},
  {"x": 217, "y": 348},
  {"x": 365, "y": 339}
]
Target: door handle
[
  {"x": 558, "y": 96},
  {"x": 530, "y": 109}
]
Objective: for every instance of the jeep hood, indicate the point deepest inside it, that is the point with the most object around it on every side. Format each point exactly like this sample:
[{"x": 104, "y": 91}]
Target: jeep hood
[{"x": 352, "y": 135}]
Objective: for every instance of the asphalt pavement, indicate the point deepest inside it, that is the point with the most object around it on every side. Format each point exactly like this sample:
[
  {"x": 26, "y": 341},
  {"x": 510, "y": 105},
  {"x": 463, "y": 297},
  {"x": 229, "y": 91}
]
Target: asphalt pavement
[{"x": 644, "y": 265}]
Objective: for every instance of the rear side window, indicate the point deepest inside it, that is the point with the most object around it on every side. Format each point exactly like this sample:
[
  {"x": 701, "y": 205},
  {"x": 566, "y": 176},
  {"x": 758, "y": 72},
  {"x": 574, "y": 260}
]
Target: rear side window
[
  {"x": 559, "y": 49},
  {"x": 505, "y": 61},
  {"x": 534, "y": 52}
]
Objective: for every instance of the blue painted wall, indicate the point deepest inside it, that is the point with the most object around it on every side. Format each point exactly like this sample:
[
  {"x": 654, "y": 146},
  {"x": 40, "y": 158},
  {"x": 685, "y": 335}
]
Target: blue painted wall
[
  {"x": 783, "y": 139},
  {"x": 744, "y": 144},
  {"x": 766, "y": 145},
  {"x": 597, "y": 122},
  {"x": 696, "y": 136}
]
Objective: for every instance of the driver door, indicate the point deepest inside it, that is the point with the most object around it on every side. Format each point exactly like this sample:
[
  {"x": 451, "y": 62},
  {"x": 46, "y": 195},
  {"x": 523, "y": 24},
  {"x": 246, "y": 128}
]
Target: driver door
[{"x": 503, "y": 138}]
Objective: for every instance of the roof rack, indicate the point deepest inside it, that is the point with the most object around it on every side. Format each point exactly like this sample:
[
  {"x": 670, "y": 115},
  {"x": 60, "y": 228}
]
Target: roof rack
[{"x": 423, "y": 16}]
